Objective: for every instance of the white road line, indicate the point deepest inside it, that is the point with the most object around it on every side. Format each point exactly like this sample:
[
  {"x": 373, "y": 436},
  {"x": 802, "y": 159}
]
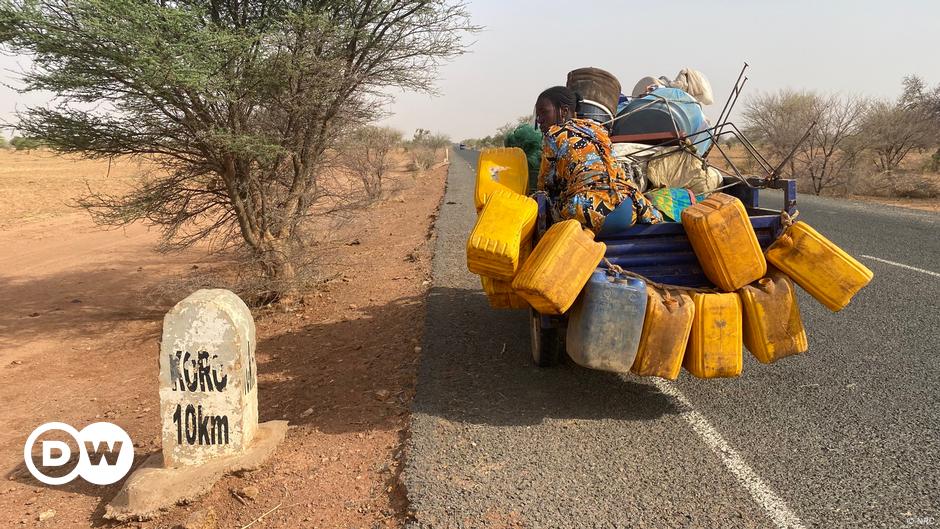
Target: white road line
[
  {"x": 902, "y": 265},
  {"x": 775, "y": 507}
]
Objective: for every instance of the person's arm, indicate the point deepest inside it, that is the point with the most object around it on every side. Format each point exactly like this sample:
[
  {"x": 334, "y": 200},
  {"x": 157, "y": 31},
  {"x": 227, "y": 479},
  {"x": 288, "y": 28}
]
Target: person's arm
[{"x": 547, "y": 168}]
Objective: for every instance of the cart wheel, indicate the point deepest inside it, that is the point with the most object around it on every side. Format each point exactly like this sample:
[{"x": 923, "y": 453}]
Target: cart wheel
[{"x": 546, "y": 342}]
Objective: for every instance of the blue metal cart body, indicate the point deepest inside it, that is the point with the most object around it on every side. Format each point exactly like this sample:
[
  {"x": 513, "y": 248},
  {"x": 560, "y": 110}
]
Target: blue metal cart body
[{"x": 660, "y": 252}]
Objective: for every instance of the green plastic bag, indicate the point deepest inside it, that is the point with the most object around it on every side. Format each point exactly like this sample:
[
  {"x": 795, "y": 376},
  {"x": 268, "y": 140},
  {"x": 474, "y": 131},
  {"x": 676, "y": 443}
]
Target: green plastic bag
[{"x": 529, "y": 139}]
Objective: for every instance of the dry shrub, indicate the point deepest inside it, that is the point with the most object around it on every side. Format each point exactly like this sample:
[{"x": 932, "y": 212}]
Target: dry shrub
[
  {"x": 423, "y": 157},
  {"x": 425, "y": 149},
  {"x": 368, "y": 153},
  {"x": 933, "y": 163},
  {"x": 900, "y": 184}
]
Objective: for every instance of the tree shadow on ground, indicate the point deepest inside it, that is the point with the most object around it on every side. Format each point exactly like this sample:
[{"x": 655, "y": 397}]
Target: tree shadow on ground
[
  {"x": 104, "y": 493},
  {"x": 87, "y": 301},
  {"x": 355, "y": 374},
  {"x": 351, "y": 373}
]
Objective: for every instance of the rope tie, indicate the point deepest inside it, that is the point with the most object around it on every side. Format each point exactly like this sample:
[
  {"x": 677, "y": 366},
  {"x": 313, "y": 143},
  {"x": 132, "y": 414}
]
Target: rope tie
[{"x": 786, "y": 220}]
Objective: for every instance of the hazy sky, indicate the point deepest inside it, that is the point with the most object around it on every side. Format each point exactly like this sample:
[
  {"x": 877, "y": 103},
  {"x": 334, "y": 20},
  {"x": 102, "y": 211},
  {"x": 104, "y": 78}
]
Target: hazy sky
[{"x": 863, "y": 47}]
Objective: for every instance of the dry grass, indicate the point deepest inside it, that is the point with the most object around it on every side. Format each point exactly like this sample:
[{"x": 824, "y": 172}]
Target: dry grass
[
  {"x": 909, "y": 184},
  {"x": 40, "y": 184}
]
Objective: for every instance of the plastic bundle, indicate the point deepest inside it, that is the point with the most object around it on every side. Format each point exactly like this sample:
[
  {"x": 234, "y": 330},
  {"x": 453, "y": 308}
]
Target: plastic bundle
[{"x": 529, "y": 139}]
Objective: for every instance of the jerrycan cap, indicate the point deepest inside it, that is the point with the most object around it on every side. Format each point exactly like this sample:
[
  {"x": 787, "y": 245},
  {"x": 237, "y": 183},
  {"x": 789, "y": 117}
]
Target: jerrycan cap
[
  {"x": 766, "y": 284},
  {"x": 785, "y": 240},
  {"x": 616, "y": 277}
]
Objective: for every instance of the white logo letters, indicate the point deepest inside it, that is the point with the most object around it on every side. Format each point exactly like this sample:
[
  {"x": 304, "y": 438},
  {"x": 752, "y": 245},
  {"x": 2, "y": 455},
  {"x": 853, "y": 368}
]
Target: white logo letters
[{"x": 105, "y": 453}]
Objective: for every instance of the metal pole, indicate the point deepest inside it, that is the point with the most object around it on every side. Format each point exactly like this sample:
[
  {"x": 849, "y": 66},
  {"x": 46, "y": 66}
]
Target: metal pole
[
  {"x": 776, "y": 172},
  {"x": 726, "y": 111},
  {"x": 733, "y": 89}
]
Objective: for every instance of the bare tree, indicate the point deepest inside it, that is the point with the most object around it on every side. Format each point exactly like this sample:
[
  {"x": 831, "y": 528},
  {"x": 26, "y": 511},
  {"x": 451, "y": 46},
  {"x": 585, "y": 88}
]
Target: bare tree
[
  {"x": 778, "y": 121},
  {"x": 241, "y": 103},
  {"x": 367, "y": 155},
  {"x": 918, "y": 96},
  {"x": 424, "y": 147},
  {"x": 892, "y": 130}
]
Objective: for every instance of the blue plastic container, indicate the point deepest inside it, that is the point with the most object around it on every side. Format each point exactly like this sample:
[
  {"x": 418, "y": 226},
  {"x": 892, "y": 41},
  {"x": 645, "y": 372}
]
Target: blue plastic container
[
  {"x": 664, "y": 110},
  {"x": 605, "y": 323}
]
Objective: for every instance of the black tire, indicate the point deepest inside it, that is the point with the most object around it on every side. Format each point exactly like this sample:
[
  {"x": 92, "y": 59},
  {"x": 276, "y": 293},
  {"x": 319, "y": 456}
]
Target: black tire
[{"x": 546, "y": 343}]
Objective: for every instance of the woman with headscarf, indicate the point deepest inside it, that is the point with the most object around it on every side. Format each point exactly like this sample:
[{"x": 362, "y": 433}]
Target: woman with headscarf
[{"x": 578, "y": 172}]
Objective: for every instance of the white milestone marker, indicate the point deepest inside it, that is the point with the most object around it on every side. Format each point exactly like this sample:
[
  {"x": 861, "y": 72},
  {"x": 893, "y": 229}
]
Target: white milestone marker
[{"x": 208, "y": 379}]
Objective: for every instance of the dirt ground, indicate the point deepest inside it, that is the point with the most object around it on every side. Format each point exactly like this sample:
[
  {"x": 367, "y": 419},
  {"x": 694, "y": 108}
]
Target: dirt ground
[
  {"x": 79, "y": 343},
  {"x": 924, "y": 204},
  {"x": 39, "y": 184}
]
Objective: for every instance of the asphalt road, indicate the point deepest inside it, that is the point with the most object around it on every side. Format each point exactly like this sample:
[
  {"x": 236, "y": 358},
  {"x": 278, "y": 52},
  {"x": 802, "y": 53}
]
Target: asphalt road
[{"x": 846, "y": 435}]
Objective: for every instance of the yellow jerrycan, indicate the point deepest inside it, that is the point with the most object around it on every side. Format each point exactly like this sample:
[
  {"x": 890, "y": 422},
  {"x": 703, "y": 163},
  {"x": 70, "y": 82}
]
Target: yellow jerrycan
[
  {"x": 502, "y": 168},
  {"x": 501, "y": 295},
  {"x": 724, "y": 241},
  {"x": 772, "y": 325},
  {"x": 715, "y": 349},
  {"x": 829, "y": 274},
  {"x": 665, "y": 335},
  {"x": 504, "y": 227},
  {"x": 561, "y": 263}
]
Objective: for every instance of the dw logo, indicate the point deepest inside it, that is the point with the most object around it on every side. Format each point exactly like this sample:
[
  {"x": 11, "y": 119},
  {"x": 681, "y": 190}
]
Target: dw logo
[{"x": 105, "y": 453}]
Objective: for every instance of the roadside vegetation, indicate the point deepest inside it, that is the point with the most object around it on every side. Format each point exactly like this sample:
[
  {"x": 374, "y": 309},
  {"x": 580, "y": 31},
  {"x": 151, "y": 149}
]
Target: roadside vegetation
[
  {"x": 244, "y": 107},
  {"x": 876, "y": 147},
  {"x": 498, "y": 139}
]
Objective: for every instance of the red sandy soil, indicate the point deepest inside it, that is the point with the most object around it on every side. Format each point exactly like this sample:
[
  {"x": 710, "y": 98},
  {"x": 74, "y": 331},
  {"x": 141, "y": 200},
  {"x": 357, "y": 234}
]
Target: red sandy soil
[{"x": 79, "y": 343}]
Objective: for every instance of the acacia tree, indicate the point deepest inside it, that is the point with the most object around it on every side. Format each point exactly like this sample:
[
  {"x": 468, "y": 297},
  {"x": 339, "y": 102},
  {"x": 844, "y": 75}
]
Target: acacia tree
[
  {"x": 239, "y": 101},
  {"x": 893, "y": 130},
  {"x": 924, "y": 101},
  {"x": 917, "y": 96},
  {"x": 779, "y": 120}
]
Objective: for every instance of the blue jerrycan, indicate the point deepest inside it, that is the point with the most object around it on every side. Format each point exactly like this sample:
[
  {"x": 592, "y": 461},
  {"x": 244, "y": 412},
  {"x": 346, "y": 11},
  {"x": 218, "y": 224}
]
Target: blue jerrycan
[{"x": 606, "y": 322}]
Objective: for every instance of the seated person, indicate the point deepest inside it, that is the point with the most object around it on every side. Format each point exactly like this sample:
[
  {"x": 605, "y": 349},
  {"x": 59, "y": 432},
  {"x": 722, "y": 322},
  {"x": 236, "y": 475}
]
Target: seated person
[{"x": 578, "y": 172}]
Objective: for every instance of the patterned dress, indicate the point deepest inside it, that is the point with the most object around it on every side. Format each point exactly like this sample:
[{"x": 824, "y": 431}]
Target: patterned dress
[{"x": 582, "y": 178}]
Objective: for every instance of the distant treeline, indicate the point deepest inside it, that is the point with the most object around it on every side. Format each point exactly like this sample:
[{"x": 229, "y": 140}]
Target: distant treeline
[
  {"x": 20, "y": 143},
  {"x": 499, "y": 137}
]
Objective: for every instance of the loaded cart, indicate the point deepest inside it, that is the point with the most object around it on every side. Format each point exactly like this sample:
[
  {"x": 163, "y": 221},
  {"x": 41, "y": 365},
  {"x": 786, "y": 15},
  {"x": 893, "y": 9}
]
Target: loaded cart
[
  {"x": 653, "y": 299},
  {"x": 660, "y": 252}
]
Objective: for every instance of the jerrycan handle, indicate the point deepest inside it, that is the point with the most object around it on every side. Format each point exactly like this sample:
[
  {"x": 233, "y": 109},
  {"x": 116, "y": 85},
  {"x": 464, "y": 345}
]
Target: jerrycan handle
[
  {"x": 786, "y": 221},
  {"x": 615, "y": 277},
  {"x": 670, "y": 302}
]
